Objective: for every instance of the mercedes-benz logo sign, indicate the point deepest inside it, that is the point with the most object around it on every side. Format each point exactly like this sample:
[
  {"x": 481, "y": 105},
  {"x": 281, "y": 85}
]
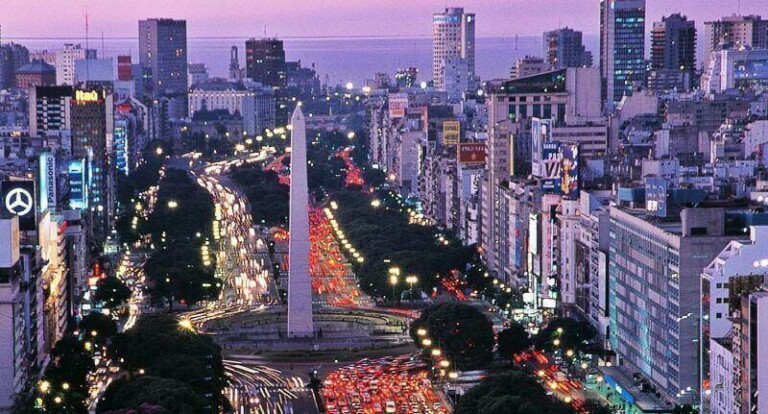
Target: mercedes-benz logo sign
[{"x": 19, "y": 202}]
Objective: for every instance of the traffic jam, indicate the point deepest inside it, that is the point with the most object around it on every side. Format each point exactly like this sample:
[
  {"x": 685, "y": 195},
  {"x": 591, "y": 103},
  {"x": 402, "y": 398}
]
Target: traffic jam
[{"x": 398, "y": 384}]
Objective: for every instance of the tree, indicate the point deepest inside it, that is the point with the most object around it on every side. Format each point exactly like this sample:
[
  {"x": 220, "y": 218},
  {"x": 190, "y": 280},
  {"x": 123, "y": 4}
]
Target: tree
[
  {"x": 111, "y": 292},
  {"x": 462, "y": 332},
  {"x": 565, "y": 334},
  {"x": 161, "y": 347},
  {"x": 176, "y": 273},
  {"x": 512, "y": 392},
  {"x": 175, "y": 397},
  {"x": 97, "y": 327},
  {"x": 513, "y": 340}
]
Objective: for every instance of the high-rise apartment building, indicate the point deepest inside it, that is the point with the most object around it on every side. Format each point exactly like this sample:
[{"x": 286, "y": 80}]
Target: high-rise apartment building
[
  {"x": 622, "y": 47},
  {"x": 265, "y": 62},
  {"x": 65, "y": 62},
  {"x": 734, "y": 32},
  {"x": 563, "y": 48},
  {"x": 163, "y": 56},
  {"x": 673, "y": 53},
  {"x": 453, "y": 36}
]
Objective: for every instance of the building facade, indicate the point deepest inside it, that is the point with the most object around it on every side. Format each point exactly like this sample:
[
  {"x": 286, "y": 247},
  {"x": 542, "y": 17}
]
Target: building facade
[
  {"x": 453, "y": 36},
  {"x": 622, "y": 47}
]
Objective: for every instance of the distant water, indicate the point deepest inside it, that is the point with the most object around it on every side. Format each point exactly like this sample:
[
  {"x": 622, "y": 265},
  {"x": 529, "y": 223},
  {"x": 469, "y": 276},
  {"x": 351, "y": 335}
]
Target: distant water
[{"x": 342, "y": 59}]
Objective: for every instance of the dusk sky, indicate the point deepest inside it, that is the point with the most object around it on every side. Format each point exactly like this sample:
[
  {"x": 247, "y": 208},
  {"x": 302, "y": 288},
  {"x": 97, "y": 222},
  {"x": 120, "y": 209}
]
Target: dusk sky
[{"x": 290, "y": 18}]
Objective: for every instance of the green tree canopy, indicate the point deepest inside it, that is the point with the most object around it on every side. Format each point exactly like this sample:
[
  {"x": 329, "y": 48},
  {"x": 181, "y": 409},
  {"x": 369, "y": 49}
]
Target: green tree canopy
[
  {"x": 511, "y": 392},
  {"x": 462, "y": 332},
  {"x": 111, "y": 292},
  {"x": 97, "y": 327},
  {"x": 513, "y": 340},
  {"x": 175, "y": 397}
]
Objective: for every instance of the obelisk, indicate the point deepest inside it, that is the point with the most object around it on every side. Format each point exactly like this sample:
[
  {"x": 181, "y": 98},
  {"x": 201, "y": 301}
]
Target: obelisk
[{"x": 300, "y": 322}]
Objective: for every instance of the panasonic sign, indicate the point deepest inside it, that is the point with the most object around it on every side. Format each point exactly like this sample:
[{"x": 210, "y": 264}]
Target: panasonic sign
[{"x": 47, "y": 162}]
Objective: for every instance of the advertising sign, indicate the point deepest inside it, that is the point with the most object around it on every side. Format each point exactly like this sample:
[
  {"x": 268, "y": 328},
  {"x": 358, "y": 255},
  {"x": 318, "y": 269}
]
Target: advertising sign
[
  {"x": 120, "y": 137},
  {"x": 541, "y": 132},
  {"x": 656, "y": 196},
  {"x": 550, "y": 167},
  {"x": 398, "y": 105},
  {"x": 18, "y": 199},
  {"x": 451, "y": 132},
  {"x": 47, "y": 164},
  {"x": 78, "y": 190},
  {"x": 569, "y": 171},
  {"x": 471, "y": 153}
]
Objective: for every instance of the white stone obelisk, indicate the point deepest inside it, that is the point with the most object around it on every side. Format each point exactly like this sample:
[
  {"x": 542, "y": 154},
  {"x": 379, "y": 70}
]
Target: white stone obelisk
[{"x": 300, "y": 322}]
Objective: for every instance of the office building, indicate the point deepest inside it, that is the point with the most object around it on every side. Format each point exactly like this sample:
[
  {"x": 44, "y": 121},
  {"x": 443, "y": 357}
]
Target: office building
[
  {"x": 563, "y": 48},
  {"x": 453, "y": 36},
  {"x": 736, "y": 69},
  {"x": 622, "y": 47},
  {"x": 124, "y": 68},
  {"x": 455, "y": 75},
  {"x": 163, "y": 55},
  {"x": 265, "y": 62},
  {"x": 673, "y": 53},
  {"x": 65, "y": 62},
  {"x": 49, "y": 114},
  {"x": 655, "y": 293},
  {"x": 92, "y": 126},
  {"x": 527, "y": 66},
  {"x": 735, "y": 32},
  {"x": 12, "y": 57}
]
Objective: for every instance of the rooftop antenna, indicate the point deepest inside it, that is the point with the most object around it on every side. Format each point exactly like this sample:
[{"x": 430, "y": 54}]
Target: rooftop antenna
[
  {"x": 265, "y": 31},
  {"x": 103, "y": 47},
  {"x": 87, "y": 46}
]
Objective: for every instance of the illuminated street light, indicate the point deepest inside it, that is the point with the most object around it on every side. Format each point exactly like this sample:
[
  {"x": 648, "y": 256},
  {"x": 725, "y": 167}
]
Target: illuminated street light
[
  {"x": 426, "y": 342},
  {"x": 436, "y": 352},
  {"x": 375, "y": 203},
  {"x": 186, "y": 324},
  {"x": 172, "y": 204},
  {"x": 421, "y": 332}
]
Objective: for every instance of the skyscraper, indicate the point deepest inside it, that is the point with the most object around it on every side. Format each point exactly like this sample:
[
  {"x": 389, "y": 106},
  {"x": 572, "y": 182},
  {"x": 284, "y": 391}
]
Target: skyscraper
[
  {"x": 622, "y": 47},
  {"x": 163, "y": 56},
  {"x": 733, "y": 32},
  {"x": 65, "y": 62},
  {"x": 265, "y": 62},
  {"x": 673, "y": 53},
  {"x": 563, "y": 48},
  {"x": 453, "y": 36}
]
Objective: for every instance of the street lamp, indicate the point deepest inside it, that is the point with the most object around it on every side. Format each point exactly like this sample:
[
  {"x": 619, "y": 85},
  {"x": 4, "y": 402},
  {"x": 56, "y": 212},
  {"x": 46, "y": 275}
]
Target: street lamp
[
  {"x": 412, "y": 279},
  {"x": 421, "y": 332},
  {"x": 394, "y": 277},
  {"x": 393, "y": 281},
  {"x": 172, "y": 204}
]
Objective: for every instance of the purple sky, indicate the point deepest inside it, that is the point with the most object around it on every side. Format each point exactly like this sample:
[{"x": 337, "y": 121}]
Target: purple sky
[{"x": 286, "y": 18}]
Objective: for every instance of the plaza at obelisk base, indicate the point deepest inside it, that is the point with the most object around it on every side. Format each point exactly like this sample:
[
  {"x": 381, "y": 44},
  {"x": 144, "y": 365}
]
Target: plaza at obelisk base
[{"x": 300, "y": 322}]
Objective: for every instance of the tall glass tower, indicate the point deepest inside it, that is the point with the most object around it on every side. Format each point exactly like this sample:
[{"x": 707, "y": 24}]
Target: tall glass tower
[{"x": 622, "y": 47}]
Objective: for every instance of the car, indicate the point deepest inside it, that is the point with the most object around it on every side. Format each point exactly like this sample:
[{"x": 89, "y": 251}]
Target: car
[{"x": 390, "y": 407}]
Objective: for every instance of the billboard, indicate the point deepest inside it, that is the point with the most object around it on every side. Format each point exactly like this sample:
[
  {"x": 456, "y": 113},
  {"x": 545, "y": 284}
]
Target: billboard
[
  {"x": 471, "y": 153},
  {"x": 550, "y": 167},
  {"x": 451, "y": 132},
  {"x": 120, "y": 137},
  {"x": 569, "y": 170},
  {"x": 48, "y": 176},
  {"x": 398, "y": 105},
  {"x": 78, "y": 189},
  {"x": 18, "y": 199},
  {"x": 656, "y": 196},
  {"x": 541, "y": 132}
]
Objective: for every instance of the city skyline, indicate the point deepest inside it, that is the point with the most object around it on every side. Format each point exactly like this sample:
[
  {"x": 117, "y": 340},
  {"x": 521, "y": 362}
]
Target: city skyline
[{"x": 377, "y": 18}]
